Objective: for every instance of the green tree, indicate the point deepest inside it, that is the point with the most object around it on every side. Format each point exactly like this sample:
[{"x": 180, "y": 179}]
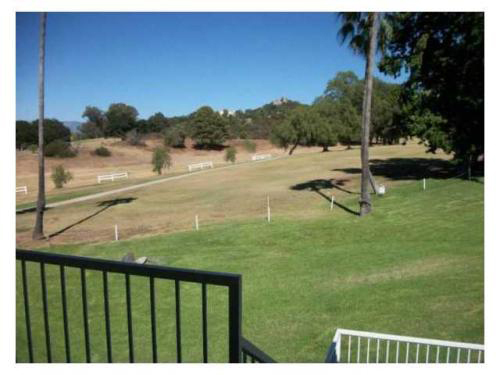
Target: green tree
[
  {"x": 297, "y": 129},
  {"x": 230, "y": 154},
  {"x": 26, "y": 134},
  {"x": 60, "y": 176},
  {"x": 208, "y": 128},
  {"x": 155, "y": 124},
  {"x": 175, "y": 136},
  {"x": 161, "y": 159},
  {"x": 121, "y": 118},
  {"x": 96, "y": 119},
  {"x": 443, "y": 98},
  {"x": 361, "y": 29},
  {"x": 40, "y": 203}
]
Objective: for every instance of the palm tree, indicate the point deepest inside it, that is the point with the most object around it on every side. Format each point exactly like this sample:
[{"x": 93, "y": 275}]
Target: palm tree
[
  {"x": 362, "y": 30},
  {"x": 40, "y": 204}
]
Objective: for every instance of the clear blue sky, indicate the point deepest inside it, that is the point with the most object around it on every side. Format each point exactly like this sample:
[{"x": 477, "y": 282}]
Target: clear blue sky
[{"x": 177, "y": 62}]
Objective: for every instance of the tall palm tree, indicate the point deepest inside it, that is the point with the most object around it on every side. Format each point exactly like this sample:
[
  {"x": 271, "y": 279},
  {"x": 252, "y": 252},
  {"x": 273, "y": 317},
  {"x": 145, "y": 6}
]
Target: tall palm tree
[
  {"x": 362, "y": 30},
  {"x": 40, "y": 204}
]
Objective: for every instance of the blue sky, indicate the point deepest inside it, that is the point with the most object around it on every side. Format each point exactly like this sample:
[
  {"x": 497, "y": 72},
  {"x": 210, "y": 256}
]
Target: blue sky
[{"x": 177, "y": 62}]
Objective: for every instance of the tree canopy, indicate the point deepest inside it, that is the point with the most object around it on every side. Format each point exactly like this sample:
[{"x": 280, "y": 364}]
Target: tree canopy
[
  {"x": 121, "y": 118},
  {"x": 443, "y": 98},
  {"x": 208, "y": 128}
]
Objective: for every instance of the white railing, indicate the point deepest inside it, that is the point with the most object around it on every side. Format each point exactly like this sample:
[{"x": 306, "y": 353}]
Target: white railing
[
  {"x": 111, "y": 177},
  {"x": 22, "y": 189},
  {"x": 402, "y": 349},
  {"x": 261, "y": 157},
  {"x": 204, "y": 165}
]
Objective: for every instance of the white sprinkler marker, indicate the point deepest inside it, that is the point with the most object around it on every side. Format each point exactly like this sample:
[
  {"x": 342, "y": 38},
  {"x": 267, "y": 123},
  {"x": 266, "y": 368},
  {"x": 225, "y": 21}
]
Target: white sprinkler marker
[
  {"x": 268, "y": 210},
  {"x": 116, "y": 232},
  {"x": 196, "y": 222},
  {"x": 424, "y": 183},
  {"x": 331, "y": 203}
]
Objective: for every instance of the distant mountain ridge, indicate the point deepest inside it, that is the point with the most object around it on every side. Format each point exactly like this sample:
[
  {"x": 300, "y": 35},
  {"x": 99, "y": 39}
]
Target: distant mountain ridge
[{"x": 72, "y": 125}]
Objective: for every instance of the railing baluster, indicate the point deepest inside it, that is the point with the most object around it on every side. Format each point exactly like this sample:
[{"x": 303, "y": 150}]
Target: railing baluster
[
  {"x": 397, "y": 352},
  {"x": 65, "y": 314},
  {"x": 407, "y": 351},
  {"x": 204, "y": 321},
  {"x": 437, "y": 354},
  {"x": 479, "y": 356},
  {"x": 85, "y": 315},
  {"x": 129, "y": 320},
  {"x": 106, "y": 316},
  {"x": 234, "y": 320},
  {"x": 427, "y": 354},
  {"x": 378, "y": 347},
  {"x": 153, "y": 317},
  {"x": 387, "y": 352},
  {"x": 368, "y": 351},
  {"x": 359, "y": 348},
  {"x": 178, "y": 320},
  {"x": 45, "y": 312},
  {"x": 458, "y": 356},
  {"x": 418, "y": 349},
  {"x": 244, "y": 357},
  {"x": 468, "y": 356},
  {"x": 448, "y": 355},
  {"x": 339, "y": 347},
  {"x": 27, "y": 310},
  {"x": 349, "y": 351}
]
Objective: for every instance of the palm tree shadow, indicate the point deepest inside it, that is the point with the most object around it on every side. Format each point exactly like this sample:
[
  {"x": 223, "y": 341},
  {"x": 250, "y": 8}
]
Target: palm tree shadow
[
  {"x": 104, "y": 204},
  {"x": 317, "y": 185}
]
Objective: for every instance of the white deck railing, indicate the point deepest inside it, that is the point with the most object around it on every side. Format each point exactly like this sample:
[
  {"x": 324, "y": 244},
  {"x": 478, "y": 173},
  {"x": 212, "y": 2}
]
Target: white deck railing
[
  {"x": 111, "y": 177},
  {"x": 204, "y": 165},
  {"x": 402, "y": 349},
  {"x": 22, "y": 189},
  {"x": 261, "y": 157}
]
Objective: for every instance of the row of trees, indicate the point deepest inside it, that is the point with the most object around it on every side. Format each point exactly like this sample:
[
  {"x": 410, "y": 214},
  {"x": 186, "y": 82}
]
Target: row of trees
[{"x": 27, "y": 132}]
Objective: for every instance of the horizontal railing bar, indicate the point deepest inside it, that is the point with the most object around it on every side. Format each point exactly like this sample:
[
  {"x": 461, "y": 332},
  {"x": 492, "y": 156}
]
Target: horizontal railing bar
[
  {"x": 415, "y": 340},
  {"x": 250, "y": 349},
  {"x": 162, "y": 272}
]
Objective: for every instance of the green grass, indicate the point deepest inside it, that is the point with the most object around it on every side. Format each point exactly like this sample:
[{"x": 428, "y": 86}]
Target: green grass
[{"x": 413, "y": 267}]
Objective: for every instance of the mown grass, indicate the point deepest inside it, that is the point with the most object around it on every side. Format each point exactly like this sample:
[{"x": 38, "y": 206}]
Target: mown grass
[{"x": 413, "y": 267}]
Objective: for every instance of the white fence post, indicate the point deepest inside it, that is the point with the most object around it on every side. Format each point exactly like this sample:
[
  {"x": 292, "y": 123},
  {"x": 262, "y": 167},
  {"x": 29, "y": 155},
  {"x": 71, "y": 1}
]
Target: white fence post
[
  {"x": 268, "y": 210},
  {"x": 116, "y": 232},
  {"x": 424, "y": 183}
]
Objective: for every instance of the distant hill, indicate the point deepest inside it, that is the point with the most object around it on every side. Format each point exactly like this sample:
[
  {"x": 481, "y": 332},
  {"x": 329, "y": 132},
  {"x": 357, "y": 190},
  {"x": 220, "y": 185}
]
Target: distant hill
[{"x": 72, "y": 125}]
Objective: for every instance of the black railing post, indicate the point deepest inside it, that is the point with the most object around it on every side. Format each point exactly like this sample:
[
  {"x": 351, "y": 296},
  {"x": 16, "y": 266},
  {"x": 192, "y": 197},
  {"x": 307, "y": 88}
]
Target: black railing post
[
  {"x": 235, "y": 320},
  {"x": 27, "y": 311}
]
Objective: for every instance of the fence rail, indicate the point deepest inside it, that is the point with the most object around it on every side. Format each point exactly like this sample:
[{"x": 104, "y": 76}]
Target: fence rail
[
  {"x": 261, "y": 157},
  {"x": 370, "y": 347},
  {"x": 22, "y": 189},
  {"x": 204, "y": 165},
  {"x": 254, "y": 354},
  {"x": 153, "y": 272},
  {"x": 111, "y": 177}
]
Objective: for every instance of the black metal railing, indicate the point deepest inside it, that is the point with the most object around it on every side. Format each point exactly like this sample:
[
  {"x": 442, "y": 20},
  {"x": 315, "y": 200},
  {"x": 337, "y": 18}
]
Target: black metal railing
[
  {"x": 253, "y": 354},
  {"x": 153, "y": 272}
]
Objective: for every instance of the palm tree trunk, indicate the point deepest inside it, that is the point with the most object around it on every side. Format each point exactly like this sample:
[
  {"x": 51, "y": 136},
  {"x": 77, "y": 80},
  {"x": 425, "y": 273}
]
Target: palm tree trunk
[
  {"x": 365, "y": 202},
  {"x": 40, "y": 204}
]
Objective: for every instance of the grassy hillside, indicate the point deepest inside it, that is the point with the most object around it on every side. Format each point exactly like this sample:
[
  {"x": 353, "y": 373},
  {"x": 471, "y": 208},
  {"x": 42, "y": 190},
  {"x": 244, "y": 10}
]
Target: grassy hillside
[{"x": 413, "y": 267}]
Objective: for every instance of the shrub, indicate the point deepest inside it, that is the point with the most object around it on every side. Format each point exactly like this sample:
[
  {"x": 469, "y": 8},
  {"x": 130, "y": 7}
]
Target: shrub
[
  {"x": 102, "y": 151},
  {"x": 32, "y": 148},
  {"x": 60, "y": 149},
  {"x": 249, "y": 145},
  {"x": 174, "y": 137},
  {"x": 60, "y": 176},
  {"x": 161, "y": 159},
  {"x": 134, "y": 138},
  {"x": 230, "y": 154}
]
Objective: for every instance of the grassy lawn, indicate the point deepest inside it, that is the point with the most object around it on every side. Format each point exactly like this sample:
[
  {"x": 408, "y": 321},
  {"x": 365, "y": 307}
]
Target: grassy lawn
[{"x": 413, "y": 267}]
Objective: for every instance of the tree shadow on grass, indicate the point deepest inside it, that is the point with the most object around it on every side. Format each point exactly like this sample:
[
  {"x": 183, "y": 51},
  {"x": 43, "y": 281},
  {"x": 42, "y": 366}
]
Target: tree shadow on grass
[
  {"x": 317, "y": 185},
  {"x": 409, "y": 168},
  {"x": 104, "y": 204}
]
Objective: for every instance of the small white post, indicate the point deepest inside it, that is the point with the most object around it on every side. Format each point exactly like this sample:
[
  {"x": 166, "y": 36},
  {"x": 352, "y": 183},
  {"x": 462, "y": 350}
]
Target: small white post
[
  {"x": 331, "y": 203},
  {"x": 196, "y": 222},
  {"x": 268, "y": 210},
  {"x": 116, "y": 232},
  {"x": 424, "y": 183}
]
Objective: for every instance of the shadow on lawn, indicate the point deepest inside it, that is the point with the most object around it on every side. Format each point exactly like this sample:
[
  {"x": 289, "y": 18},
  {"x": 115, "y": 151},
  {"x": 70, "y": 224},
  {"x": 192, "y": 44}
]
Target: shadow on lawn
[
  {"x": 317, "y": 185},
  {"x": 104, "y": 204},
  {"x": 409, "y": 168}
]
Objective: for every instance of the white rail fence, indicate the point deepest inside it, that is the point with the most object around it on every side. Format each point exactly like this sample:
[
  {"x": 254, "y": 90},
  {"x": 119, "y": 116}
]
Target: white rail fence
[
  {"x": 261, "y": 157},
  {"x": 204, "y": 165},
  {"x": 112, "y": 177},
  {"x": 370, "y": 347},
  {"x": 22, "y": 189}
]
